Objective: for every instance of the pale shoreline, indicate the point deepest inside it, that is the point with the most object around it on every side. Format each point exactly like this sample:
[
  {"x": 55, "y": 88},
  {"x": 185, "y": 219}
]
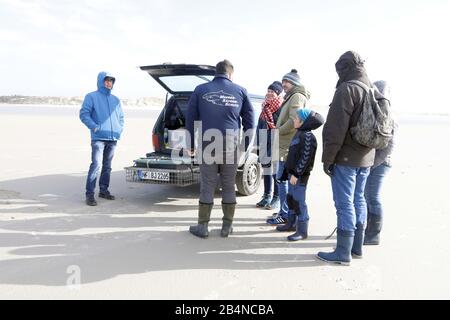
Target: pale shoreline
[
  {"x": 138, "y": 246},
  {"x": 70, "y": 106},
  {"x": 159, "y": 107}
]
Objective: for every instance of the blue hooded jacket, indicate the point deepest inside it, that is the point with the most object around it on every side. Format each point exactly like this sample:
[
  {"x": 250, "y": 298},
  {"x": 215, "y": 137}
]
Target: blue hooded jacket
[{"x": 102, "y": 112}]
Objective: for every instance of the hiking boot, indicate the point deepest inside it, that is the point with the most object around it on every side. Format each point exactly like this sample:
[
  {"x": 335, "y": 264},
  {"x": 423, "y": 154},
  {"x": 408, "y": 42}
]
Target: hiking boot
[
  {"x": 90, "y": 201},
  {"x": 107, "y": 196},
  {"x": 264, "y": 201},
  {"x": 274, "y": 204}
]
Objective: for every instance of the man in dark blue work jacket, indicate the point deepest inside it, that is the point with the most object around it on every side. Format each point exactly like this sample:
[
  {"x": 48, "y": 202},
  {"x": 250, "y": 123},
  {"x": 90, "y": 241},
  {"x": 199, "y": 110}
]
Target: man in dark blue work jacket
[{"x": 218, "y": 109}]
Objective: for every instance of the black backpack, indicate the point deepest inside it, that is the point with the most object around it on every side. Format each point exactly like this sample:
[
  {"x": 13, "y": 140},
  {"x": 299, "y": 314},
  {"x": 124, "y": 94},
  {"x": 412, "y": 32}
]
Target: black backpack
[{"x": 375, "y": 125}]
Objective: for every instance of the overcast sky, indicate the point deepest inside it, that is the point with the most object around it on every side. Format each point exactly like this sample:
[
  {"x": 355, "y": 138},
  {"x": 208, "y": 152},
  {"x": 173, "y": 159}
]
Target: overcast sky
[{"x": 58, "y": 47}]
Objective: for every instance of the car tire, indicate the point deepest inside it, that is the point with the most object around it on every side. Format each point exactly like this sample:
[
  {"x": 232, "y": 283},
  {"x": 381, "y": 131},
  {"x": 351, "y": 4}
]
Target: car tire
[{"x": 249, "y": 179}]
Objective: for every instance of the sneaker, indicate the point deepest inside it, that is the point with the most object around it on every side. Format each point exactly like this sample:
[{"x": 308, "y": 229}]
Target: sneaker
[
  {"x": 276, "y": 220},
  {"x": 107, "y": 196},
  {"x": 264, "y": 201},
  {"x": 90, "y": 201},
  {"x": 274, "y": 204},
  {"x": 274, "y": 215}
]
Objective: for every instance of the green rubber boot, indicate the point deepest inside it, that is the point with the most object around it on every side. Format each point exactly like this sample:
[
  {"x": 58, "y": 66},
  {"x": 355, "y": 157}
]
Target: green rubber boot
[
  {"x": 201, "y": 229},
  {"x": 227, "y": 220}
]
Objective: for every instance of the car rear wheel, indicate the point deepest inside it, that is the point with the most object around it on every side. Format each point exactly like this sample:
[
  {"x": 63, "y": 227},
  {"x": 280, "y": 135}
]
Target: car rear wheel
[{"x": 249, "y": 179}]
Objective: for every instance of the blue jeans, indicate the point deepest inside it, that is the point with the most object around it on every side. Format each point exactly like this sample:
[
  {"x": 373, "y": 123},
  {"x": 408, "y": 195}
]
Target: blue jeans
[
  {"x": 283, "y": 189},
  {"x": 298, "y": 192},
  {"x": 102, "y": 153},
  {"x": 348, "y": 185},
  {"x": 270, "y": 182},
  {"x": 372, "y": 192}
]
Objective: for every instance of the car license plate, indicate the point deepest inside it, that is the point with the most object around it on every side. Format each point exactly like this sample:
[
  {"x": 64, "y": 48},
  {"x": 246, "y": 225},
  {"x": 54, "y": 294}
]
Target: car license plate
[{"x": 153, "y": 175}]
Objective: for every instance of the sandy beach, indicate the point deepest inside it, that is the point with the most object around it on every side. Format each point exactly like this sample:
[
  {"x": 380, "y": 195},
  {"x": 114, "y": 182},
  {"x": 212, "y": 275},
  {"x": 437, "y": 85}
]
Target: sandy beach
[{"x": 139, "y": 247}]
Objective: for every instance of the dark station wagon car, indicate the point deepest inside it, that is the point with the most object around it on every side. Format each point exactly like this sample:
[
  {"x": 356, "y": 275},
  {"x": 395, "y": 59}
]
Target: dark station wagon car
[{"x": 160, "y": 167}]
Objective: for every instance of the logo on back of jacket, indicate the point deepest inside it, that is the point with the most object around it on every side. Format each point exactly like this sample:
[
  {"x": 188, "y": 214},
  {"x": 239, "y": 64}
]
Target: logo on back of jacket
[{"x": 221, "y": 98}]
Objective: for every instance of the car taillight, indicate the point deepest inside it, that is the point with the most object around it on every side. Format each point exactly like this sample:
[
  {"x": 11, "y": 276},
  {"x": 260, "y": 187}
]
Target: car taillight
[{"x": 155, "y": 141}]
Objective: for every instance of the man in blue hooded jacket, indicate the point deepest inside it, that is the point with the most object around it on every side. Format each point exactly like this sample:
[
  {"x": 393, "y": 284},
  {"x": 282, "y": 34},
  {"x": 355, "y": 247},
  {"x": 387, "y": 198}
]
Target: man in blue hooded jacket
[{"x": 102, "y": 113}]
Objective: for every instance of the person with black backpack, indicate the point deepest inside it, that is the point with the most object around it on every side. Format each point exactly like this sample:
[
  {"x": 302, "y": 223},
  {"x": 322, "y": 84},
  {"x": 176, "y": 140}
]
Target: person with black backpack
[{"x": 346, "y": 161}]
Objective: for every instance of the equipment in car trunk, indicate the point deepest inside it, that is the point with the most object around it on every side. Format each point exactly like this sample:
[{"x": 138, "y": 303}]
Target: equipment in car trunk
[{"x": 162, "y": 169}]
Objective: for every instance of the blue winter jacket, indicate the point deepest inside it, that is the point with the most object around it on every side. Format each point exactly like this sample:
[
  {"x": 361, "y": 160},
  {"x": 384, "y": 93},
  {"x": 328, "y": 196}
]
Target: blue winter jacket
[
  {"x": 220, "y": 104},
  {"x": 102, "y": 112}
]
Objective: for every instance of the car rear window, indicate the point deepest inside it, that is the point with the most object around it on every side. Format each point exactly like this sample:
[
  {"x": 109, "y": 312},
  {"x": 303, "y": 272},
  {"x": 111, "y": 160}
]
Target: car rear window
[{"x": 184, "y": 83}]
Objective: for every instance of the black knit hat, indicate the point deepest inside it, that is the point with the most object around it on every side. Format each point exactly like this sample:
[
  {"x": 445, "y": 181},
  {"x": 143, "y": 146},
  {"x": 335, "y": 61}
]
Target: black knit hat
[
  {"x": 276, "y": 86},
  {"x": 292, "y": 77}
]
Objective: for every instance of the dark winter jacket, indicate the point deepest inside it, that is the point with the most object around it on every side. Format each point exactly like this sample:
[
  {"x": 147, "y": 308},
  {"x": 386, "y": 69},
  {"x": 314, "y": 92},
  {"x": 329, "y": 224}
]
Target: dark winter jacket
[
  {"x": 264, "y": 142},
  {"x": 220, "y": 104},
  {"x": 264, "y": 139},
  {"x": 302, "y": 151},
  {"x": 338, "y": 145}
]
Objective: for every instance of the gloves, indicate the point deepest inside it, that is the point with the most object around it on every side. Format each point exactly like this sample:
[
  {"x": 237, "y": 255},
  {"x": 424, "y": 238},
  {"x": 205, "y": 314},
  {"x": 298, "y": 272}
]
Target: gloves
[{"x": 328, "y": 169}]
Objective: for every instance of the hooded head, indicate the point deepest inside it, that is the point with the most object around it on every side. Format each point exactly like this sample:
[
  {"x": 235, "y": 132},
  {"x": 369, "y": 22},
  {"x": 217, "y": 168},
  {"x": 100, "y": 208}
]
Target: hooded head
[
  {"x": 101, "y": 81},
  {"x": 310, "y": 120},
  {"x": 350, "y": 66},
  {"x": 384, "y": 88},
  {"x": 303, "y": 113}
]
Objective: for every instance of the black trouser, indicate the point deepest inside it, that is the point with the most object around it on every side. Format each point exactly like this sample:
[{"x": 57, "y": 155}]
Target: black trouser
[{"x": 208, "y": 182}]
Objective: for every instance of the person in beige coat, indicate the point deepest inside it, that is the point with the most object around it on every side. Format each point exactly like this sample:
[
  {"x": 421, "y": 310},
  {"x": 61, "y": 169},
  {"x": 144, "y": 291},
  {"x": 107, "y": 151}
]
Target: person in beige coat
[{"x": 295, "y": 98}]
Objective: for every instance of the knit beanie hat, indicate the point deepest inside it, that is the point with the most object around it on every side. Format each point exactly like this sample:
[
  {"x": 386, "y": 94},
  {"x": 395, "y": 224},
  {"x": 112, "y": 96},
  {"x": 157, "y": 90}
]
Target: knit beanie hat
[
  {"x": 292, "y": 77},
  {"x": 303, "y": 113},
  {"x": 276, "y": 86}
]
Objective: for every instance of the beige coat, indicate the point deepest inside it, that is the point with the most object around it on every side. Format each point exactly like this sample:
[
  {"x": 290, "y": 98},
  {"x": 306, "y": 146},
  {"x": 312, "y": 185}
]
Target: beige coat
[{"x": 285, "y": 123}]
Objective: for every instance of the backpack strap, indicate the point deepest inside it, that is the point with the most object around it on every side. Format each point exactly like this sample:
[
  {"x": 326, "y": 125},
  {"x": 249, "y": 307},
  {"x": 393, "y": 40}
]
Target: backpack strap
[
  {"x": 367, "y": 89},
  {"x": 361, "y": 84}
]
